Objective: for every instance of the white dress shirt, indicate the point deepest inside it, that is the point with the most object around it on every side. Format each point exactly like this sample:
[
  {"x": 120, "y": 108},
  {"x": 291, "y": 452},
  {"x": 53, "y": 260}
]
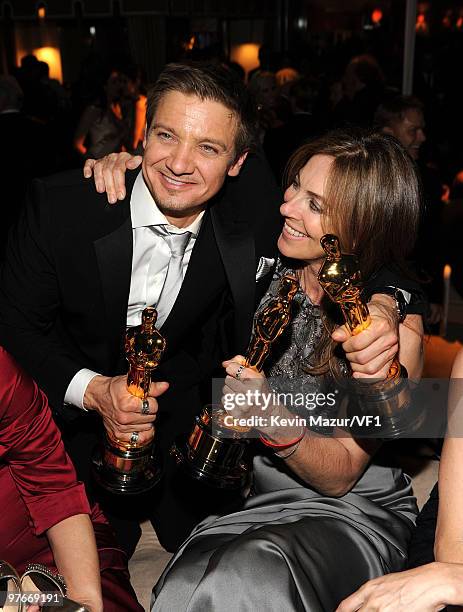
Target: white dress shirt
[{"x": 150, "y": 261}]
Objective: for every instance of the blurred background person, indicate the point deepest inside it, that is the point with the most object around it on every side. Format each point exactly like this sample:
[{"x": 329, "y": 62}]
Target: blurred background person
[
  {"x": 452, "y": 224},
  {"x": 362, "y": 89},
  {"x": 266, "y": 59},
  {"x": 403, "y": 118},
  {"x": 104, "y": 127},
  {"x": 264, "y": 90},
  {"x": 23, "y": 155},
  {"x": 281, "y": 141},
  {"x": 286, "y": 75},
  {"x": 134, "y": 108}
]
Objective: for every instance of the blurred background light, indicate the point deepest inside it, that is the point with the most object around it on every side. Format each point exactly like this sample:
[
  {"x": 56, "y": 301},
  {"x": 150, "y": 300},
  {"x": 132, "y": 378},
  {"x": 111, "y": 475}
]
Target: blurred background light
[
  {"x": 52, "y": 56},
  {"x": 246, "y": 55},
  {"x": 376, "y": 16}
]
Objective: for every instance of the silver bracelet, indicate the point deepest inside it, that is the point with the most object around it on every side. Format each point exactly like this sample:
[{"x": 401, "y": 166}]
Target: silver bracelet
[{"x": 292, "y": 450}]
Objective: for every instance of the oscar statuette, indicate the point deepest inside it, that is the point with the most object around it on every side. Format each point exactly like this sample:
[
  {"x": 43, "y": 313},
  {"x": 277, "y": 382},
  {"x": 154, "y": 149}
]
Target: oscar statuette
[
  {"x": 127, "y": 467},
  {"x": 386, "y": 402},
  {"x": 219, "y": 459}
]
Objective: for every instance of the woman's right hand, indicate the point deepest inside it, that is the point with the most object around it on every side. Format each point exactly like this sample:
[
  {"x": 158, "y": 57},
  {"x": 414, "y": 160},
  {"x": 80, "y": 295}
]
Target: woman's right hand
[
  {"x": 109, "y": 173},
  {"x": 247, "y": 395}
]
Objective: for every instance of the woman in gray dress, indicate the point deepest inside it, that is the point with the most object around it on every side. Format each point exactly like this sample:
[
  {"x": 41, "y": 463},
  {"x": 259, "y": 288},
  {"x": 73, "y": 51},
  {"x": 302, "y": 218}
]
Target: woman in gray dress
[{"x": 322, "y": 516}]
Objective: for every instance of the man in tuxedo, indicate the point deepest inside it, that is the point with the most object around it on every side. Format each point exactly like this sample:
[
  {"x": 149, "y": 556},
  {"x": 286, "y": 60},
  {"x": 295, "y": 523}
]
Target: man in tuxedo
[{"x": 78, "y": 272}]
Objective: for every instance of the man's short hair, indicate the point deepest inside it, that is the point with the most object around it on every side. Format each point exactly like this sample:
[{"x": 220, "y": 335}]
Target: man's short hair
[
  {"x": 209, "y": 82},
  {"x": 392, "y": 110},
  {"x": 367, "y": 69}
]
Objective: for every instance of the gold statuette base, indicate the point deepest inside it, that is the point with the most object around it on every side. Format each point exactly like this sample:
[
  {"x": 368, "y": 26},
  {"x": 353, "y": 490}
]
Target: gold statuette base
[
  {"x": 389, "y": 403},
  {"x": 221, "y": 463},
  {"x": 124, "y": 468}
]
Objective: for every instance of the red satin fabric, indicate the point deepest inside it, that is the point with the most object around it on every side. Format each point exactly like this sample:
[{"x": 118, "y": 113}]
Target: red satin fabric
[{"x": 38, "y": 488}]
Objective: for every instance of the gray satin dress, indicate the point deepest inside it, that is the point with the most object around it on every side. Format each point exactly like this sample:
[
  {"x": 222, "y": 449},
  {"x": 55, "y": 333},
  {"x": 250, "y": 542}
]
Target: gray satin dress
[{"x": 289, "y": 547}]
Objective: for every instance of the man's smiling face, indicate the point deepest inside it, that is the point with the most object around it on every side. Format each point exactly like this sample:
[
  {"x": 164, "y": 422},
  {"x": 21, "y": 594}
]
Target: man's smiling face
[{"x": 189, "y": 151}]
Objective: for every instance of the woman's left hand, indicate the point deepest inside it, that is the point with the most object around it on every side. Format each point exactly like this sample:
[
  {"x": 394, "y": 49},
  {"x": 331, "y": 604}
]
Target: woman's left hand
[{"x": 424, "y": 589}]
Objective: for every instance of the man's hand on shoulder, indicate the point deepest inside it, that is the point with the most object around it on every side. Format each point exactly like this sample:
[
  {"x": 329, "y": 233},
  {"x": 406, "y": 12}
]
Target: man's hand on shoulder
[
  {"x": 121, "y": 411},
  {"x": 109, "y": 173},
  {"x": 372, "y": 351}
]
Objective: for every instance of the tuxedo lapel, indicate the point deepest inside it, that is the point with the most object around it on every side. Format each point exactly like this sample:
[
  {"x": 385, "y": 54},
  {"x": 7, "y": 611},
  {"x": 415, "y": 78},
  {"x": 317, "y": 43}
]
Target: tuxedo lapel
[
  {"x": 237, "y": 249},
  {"x": 114, "y": 257}
]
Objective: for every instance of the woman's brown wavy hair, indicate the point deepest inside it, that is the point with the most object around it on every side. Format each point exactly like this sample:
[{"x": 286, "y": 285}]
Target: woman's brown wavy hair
[{"x": 371, "y": 202}]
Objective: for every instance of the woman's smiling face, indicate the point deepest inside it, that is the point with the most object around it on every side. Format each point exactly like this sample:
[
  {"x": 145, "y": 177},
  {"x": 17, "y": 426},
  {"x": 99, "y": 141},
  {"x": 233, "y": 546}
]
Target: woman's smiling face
[{"x": 303, "y": 209}]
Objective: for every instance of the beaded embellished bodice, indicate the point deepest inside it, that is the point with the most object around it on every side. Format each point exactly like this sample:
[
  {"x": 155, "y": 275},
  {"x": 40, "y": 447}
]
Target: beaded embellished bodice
[{"x": 286, "y": 367}]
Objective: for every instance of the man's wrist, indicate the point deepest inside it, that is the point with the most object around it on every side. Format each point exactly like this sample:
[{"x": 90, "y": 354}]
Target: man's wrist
[
  {"x": 387, "y": 305},
  {"x": 397, "y": 297},
  {"x": 94, "y": 392},
  {"x": 74, "y": 395}
]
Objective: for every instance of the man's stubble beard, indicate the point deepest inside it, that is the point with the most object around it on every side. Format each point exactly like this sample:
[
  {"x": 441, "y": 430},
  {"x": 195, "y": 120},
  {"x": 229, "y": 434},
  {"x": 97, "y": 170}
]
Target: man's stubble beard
[{"x": 176, "y": 210}]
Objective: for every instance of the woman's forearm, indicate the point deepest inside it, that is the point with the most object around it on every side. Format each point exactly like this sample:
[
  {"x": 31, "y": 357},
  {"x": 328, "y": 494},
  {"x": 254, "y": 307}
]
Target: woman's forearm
[
  {"x": 448, "y": 545},
  {"x": 449, "y": 550},
  {"x": 331, "y": 465},
  {"x": 327, "y": 465},
  {"x": 74, "y": 549}
]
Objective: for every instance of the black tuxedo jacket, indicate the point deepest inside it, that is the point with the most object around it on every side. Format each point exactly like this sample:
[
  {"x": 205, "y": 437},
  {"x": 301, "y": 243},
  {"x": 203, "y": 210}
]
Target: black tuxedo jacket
[{"x": 65, "y": 283}]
